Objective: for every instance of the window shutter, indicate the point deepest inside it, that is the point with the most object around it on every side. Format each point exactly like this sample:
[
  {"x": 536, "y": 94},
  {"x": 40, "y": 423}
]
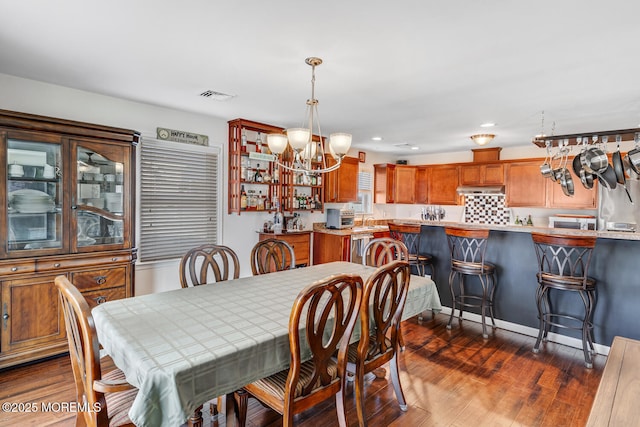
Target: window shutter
[{"x": 178, "y": 199}]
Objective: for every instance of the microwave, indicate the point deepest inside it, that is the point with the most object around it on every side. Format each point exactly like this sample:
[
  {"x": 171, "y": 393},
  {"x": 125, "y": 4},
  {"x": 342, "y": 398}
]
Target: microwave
[
  {"x": 573, "y": 222},
  {"x": 340, "y": 218}
]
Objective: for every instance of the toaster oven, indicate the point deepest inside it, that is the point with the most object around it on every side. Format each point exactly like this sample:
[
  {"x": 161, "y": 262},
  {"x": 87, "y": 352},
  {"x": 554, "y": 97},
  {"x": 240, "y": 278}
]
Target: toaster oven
[{"x": 340, "y": 218}]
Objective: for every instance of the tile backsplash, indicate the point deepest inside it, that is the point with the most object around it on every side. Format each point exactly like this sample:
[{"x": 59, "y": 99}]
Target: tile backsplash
[{"x": 485, "y": 209}]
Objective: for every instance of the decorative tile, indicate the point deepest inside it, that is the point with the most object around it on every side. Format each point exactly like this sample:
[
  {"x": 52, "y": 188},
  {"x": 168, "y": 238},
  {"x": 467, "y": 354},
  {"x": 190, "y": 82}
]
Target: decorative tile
[{"x": 485, "y": 209}]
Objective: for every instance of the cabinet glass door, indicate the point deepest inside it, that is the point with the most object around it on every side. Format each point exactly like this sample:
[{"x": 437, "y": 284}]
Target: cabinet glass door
[
  {"x": 34, "y": 195},
  {"x": 100, "y": 195}
]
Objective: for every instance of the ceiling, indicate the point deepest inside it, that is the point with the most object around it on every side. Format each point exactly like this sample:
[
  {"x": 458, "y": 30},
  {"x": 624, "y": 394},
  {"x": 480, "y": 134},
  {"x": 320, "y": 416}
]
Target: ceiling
[{"x": 418, "y": 73}]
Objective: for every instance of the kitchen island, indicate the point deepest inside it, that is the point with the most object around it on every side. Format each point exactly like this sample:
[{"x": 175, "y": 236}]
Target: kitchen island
[{"x": 615, "y": 266}]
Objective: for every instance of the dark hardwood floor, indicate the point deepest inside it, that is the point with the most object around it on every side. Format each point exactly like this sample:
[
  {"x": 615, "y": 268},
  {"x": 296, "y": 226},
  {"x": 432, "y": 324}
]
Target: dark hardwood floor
[{"x": 450, "y": 378}]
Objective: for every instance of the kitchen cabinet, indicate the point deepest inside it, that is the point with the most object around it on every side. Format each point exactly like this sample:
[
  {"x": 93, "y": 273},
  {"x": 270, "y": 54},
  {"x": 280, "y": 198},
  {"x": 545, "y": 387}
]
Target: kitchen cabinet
[
  {"x": 257, "y": 183},
  {"x": 341, "y": 185},
  {"x": 422, "y": 185},
  {"x": 582, "y": 198},
  {"x": 299, "y": 241},
  {"x": 394, "y": 183},
  {"x": 443, "y": 183},
  {"x": 329, "y": 247},
  {"x": 525, "y": 185},
  {"x": 68, "y": 209},
  {"x": 485, "y": 174}
]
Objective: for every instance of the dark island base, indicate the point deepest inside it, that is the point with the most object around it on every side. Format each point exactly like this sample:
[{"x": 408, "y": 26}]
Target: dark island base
[{"x": 615, "y": 266}]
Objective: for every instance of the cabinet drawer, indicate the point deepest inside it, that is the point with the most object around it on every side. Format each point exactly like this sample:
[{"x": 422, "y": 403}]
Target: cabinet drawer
[
  {"x": 301, "y": 246},
  {"x": 99, "y": 279},
  {"x": 53, "y": 264},
  {"x": 103, "y": 295},
  {"x": 17, "y": 267}
]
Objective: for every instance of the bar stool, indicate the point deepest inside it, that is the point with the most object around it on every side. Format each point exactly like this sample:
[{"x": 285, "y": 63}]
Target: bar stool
[
  {"x": 467, "y": 248},
  {"x": 409, "y": 234},
  {"x": 563, "y": 263}
]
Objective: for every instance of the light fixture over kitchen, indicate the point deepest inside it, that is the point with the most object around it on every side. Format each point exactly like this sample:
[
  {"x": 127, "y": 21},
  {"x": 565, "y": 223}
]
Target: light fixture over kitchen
[
  {"x": 482, "y": 138},
  {"x": 301, "y": 139}
]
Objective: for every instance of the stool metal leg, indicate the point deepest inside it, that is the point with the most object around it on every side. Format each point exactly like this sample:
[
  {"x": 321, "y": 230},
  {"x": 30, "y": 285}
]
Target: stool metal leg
[
  {"x": 484, "y": 284},
  {"x": 587, "y": 345},
  {"x": 452, "y": 277},
  {"x": 542, "y": 324}
]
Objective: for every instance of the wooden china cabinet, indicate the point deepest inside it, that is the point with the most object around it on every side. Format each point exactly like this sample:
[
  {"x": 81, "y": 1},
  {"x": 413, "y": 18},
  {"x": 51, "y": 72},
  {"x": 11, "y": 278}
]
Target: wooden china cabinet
[{"x": 67, "y": 209}]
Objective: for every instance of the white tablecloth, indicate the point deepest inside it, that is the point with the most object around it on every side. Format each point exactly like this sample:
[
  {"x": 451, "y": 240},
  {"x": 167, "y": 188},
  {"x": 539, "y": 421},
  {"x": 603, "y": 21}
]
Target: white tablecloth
[{"x": 184, "y": 347}]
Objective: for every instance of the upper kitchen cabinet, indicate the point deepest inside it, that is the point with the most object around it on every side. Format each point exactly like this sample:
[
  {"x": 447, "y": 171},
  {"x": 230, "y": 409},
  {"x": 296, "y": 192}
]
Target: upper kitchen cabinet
[
  {"x": 67, "y": 209},
  {"x": 394, "y": 183},
  {"x": 485, "y": 174},
  {"x": 443, "y": 183},
  {"x": 422, "y": 184},
  {"x": 525, "y": 185},
  {"x": 341, "y": 185}
]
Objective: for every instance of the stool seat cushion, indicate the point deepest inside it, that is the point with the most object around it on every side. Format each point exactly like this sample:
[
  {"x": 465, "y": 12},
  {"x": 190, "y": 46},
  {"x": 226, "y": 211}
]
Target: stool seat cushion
[
  {"x": 566, "y": 282},
  {"x": 472, "y": 268}
]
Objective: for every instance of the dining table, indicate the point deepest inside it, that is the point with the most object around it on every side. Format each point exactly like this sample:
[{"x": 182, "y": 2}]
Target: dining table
[{"x": 184, "y": 347}]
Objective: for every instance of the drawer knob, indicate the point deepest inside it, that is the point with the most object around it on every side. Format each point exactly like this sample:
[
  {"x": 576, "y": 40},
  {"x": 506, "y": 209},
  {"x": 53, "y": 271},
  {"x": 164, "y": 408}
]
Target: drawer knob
[
  {"x": 114, "y": 259},
  {"x": 14, "y": 268},
  {"x": 5, "y": 316},
  {"x": 100, "y": 280},
  {"x": 56, "y": 265},
  {"x": 100, "y": 299}
]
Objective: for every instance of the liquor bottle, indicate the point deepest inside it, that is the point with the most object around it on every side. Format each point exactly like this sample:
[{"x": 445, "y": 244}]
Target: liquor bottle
[
  {"x": 276, "y": 174},
  {"x": 257, "y": 177},
  {"x": 259, "y": 143},
  {"x": 296, "y": 201},
  {"x": 318, "y": 205},
  {"x": 319, "y": 178},
  {"x": 243, "y": 198},
  {"x": 267, "y": 203},
  {"x": 314, "y": 180},
  {"x": 260, "y": 202},
  {"x": 275, "y": 202},
  {"x": 243, "y": 143}
]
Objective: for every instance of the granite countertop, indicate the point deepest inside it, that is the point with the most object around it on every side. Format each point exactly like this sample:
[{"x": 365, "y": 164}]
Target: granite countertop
[
  {"x": 319, "y": 228},
  {"x": 530, "y": 229}
]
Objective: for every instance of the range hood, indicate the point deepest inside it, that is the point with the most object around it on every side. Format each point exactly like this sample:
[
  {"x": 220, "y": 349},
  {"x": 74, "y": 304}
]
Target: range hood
[{"x": 480, "y": 189}]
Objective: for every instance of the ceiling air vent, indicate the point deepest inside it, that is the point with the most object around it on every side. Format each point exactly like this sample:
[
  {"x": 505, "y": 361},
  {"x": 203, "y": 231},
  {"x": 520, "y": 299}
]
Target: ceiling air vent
[{"x": 216, "y": 96}]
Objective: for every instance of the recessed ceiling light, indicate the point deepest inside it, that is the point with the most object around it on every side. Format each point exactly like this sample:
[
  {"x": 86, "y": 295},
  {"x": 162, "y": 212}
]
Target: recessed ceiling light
[
  {"x": 415, "y": 148},
  {"x": 487, "y": 125},
  {"x": 376, "y": 138}
]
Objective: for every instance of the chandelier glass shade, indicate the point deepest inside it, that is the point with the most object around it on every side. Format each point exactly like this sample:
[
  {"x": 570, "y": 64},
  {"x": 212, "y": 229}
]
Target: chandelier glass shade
[{"x": 306, "y": 150}]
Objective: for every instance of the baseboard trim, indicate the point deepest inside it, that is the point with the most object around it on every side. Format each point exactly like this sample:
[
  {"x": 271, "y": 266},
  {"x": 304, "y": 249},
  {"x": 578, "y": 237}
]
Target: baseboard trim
[{"x": 532, "y": 332}]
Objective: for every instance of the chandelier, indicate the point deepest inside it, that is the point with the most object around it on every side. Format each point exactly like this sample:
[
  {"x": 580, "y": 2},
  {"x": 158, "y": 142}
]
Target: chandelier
[{"x": 306, "y": 150}]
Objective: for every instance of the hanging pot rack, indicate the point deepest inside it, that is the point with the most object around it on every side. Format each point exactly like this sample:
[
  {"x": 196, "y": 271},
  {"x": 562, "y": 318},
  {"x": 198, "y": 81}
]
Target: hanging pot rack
[{"x": 558, "y": 140}]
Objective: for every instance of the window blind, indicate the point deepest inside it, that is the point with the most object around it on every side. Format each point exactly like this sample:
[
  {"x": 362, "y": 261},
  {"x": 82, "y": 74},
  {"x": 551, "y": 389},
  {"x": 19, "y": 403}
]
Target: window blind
[
  {"x": 178, "y": 199},
  {"x": 365, "y": 181}
]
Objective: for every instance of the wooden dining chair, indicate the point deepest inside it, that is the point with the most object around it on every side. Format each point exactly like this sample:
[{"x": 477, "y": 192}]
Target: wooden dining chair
[
  {"x": 322, "y": 319},
  {"x": 197, "y": 264},
  {"x": 272, "y": 255},
  {"x": 108, "y": 397},
  {"x": 383, "y": 299},
  {"x": 384, "y": 250}
]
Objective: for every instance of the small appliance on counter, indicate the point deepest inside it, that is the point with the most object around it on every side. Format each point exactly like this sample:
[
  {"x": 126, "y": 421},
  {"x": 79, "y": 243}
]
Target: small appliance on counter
[
  {"x": 340, "y": 218},
  {"x": 576, "y": 222},
  {"x": 615, "y": 211}
]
